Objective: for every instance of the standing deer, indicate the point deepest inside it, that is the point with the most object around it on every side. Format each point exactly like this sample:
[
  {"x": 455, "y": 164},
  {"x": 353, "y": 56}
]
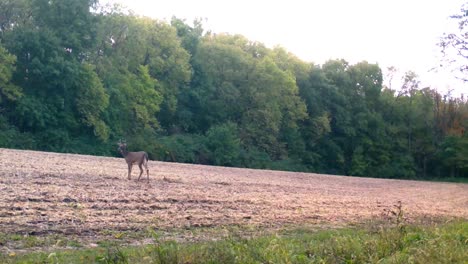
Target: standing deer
[{"x": 140, "y": 158}]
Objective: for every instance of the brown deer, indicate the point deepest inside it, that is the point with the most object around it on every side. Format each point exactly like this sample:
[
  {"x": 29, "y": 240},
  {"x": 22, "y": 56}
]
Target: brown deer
[{"x": 140, "y": 158}]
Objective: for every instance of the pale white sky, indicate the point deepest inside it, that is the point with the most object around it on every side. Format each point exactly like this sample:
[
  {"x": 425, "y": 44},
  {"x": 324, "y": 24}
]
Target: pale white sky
[{"x": 400, "y": 33}]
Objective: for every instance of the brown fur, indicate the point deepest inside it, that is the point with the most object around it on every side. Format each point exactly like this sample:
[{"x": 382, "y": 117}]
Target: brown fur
[{"x": 140, "y": 158}]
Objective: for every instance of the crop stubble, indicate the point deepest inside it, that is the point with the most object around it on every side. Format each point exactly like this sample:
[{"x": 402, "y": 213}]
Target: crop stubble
[{"x": 43, "y": 193}]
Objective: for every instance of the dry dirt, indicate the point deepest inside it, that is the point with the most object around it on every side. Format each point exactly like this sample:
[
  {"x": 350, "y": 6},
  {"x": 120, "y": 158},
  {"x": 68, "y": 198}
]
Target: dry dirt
[{"x": 47, "y": 193}]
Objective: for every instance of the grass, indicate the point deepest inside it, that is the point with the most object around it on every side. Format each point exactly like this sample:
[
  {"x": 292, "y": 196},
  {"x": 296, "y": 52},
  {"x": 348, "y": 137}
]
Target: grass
[
  {"x": 31, "y": 241},
  {"x": 396, "y": 243}
]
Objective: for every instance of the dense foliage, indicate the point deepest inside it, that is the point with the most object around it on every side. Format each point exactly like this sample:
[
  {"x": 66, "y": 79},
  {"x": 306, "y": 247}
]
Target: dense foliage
[
  {"x": 430, "y": 243},
  {"x": 76, "y": 77}
]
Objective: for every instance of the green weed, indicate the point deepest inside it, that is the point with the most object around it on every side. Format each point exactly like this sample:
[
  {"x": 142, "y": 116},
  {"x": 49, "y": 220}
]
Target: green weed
[{"x": 435, "y": 243}]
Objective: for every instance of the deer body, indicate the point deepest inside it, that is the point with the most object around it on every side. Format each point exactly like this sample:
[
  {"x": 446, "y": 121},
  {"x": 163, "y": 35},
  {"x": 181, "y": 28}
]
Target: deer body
[{"x": 140, "y": 158}]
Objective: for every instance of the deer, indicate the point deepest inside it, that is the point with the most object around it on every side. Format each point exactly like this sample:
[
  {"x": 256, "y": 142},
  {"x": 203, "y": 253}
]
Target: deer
[{"x": 140, "y": 158}]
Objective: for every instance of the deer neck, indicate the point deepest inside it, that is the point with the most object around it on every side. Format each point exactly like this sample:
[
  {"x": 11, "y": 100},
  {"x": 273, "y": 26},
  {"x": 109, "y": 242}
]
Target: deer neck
[{"x": 124, "y": 152}]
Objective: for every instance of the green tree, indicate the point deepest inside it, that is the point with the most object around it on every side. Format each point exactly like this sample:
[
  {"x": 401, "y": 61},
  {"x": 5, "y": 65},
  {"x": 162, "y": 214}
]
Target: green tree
[
  {"x": 50, "y": 40},
  {"x": 136, "y": 103},
  {"x": 9, "y": 94},
  {"x": 13, "y": 13},
  {"x": 8, "y": 91},
  {"x": 222, "y": 70},
  {"x": 454, "y": 155},
  {"x": 223, "y": 144},
  {"x": 92, "y": 100},
  {"x": 319, "y": 96},
  {"x": 126, "y": 44},
  {"x": 190, "y": 35},
  {"x": 71, "y": 21}
]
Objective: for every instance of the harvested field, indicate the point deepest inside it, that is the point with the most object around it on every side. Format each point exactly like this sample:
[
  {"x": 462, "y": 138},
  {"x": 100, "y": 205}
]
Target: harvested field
[{"x": 47, "y": 193}]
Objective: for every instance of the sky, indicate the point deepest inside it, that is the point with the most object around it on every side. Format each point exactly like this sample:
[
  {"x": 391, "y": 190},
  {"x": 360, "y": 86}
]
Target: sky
[{"x": 399, "y": 33}]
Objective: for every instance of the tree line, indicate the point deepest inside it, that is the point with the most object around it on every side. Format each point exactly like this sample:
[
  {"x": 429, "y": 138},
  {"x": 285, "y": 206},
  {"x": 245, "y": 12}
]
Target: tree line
[{"x": 76, "y": 76}]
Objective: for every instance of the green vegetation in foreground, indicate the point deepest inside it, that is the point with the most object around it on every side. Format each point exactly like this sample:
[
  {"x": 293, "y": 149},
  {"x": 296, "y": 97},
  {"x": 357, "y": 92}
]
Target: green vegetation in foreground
[{"x": 441, "y": 243}]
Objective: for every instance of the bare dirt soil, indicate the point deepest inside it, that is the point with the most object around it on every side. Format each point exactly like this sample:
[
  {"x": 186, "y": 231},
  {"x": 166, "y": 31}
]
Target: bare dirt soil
[{"x": 47, "y": 193}]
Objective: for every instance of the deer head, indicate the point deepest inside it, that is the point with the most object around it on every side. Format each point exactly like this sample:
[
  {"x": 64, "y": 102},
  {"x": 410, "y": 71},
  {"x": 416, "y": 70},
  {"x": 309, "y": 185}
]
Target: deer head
[{"x": 122, "y": 147}]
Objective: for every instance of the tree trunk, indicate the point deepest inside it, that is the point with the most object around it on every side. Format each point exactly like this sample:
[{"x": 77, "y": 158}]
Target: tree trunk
[{"x": 424, "y": 166}]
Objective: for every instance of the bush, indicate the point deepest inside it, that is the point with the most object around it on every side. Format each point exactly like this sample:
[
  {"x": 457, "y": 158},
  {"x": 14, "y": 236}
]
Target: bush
[
  {"x": 10, "y": 137},
  {"x": 223, "y": 145},
  {"x": 181, "y": 148}
]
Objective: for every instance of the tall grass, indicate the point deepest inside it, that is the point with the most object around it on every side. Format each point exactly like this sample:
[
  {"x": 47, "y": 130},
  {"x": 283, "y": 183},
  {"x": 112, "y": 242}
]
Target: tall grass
[{"x": 441, "y": 243}]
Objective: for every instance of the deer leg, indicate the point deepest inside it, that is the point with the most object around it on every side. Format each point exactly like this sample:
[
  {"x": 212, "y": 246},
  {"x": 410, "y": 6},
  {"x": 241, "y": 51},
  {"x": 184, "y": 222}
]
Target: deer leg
[
  {"x": 141, "y": 171},
  {"x": 147, "y": 171},
  {"x": 129, "y": 170}
]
